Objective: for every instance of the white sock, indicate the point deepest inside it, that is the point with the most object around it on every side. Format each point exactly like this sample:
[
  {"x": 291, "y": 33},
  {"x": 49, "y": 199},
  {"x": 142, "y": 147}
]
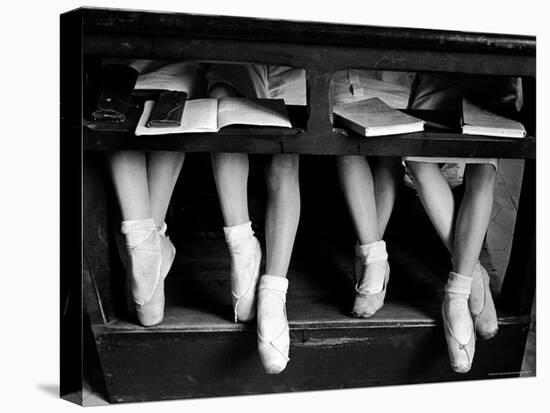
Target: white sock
[
  {"x": 458, "y": 313},
  {"x": 137, "y": 230},
  {"x": 272, "y": 297},
  {"x": 374, "y": 263},
  {"x": 236, "y": 233}
]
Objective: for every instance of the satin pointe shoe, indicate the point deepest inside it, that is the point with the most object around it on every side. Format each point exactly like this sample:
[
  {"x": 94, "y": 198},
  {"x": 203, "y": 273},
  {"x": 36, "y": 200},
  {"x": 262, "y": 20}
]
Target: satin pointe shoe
[
  {"x": 457, "y": 322},
  {"x": 372, "y": 273},
  {"x": 150, "y": 256},
  {"x": 246, "y": 256},
  {"x": 481, "y": 304},
  {"x": 273, "y": 332}
]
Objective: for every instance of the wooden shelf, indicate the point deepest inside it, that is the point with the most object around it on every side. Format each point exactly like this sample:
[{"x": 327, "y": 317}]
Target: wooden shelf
[{"x": 105, "y": 136}]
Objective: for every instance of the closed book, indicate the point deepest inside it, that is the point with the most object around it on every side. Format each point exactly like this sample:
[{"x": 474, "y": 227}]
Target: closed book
[
  {"x": 372, "y": 117},
  {"x": 477, "y": 120}
]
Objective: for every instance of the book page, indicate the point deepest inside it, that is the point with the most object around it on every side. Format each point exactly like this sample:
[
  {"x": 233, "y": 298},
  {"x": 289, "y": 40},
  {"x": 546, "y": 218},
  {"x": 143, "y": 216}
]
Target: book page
[
  {"x": 259, "y": 112},
  {"x": 483, "y": 121},
  {"x": 199, "y": 115}
]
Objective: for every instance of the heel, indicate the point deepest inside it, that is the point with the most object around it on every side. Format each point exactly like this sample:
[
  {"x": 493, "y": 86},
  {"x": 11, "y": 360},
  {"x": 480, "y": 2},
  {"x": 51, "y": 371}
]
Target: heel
[
  {"x": 152, "y": 312},
  {"x": 151, "y": 255},
  {"x": 244, "y": 304},
  {"x": 246, "y": 256},
  {"x": 273, "y": 331},
  {"x": 482, "y": 306},
  {"x": 461, "y": 352},
  {"x": 366, "y": 303}
]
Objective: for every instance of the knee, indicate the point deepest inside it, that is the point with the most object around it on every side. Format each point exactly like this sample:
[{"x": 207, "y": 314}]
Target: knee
[
  {"x": 220, "y": 90},
  {"x": 349, "y": 160},
  {"x": 347, "y": 164},
  {"x": 480, "y": 177},
  {"x": 421, "y": 171},
  {"x": 283, "y": 172}
]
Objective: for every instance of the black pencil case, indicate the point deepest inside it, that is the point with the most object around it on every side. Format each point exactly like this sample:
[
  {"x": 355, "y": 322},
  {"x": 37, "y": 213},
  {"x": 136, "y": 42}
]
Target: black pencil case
[{"x": 168, "y": 110}]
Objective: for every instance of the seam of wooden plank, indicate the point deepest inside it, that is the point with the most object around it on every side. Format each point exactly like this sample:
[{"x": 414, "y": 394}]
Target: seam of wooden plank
[{"x": 114, "y": 327}]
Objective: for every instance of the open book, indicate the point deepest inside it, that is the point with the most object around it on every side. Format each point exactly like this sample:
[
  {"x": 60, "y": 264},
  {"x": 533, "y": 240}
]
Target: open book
[
  {"x": 210, "y": 115},
  {"x": 480, "y": 121},
  {"x": 372, "y": 117}
]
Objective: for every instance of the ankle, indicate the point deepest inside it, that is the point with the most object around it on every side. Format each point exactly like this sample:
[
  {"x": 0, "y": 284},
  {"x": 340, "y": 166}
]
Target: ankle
[
  {"x": 458, "y": 285},
  {"x": 235, "y": 234},
  {"x": 271, "y": 305},
  {"x": 137, "y": 231},
  {"x": 372, "y": 252},
  {"x": 273, "y": 283},
  {"x": 371, "y": 267},
  {"x": 271, "y": 295}
]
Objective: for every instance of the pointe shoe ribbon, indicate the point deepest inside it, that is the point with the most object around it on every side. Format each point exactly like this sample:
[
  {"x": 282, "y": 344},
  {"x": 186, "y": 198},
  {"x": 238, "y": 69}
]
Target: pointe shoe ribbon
[
  {"x": 273, "y": 330},
  {"x": 460, "y": 345},
  {"x": 246, "y": 256},
  {"x": 368, "y": 302},
  {"x": 482, "y": 306}
]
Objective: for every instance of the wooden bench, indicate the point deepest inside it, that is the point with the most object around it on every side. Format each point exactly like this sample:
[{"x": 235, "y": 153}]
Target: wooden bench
[{"x": 197, "y": 350}]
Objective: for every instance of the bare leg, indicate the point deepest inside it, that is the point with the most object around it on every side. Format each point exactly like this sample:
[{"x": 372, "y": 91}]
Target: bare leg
[
  {"x": 231, "y": 175},
  {"x": 471, "y": 225},
  {"x": 387, "y": 175},
  {"x": 163, "y": 169},
  {"x": 465, "y": 245},
  {"x": 437, "y": 198},
  {"x": 357, "y": 184},
  {"x": 283, "y": 212},
  {"x": 473, "y": 216},
  {"x": 371, "y": 266},
  {"x": 281, "y": 223},
  {"x": 142, "y": 257},
  {"x": 129, "y": 173}
]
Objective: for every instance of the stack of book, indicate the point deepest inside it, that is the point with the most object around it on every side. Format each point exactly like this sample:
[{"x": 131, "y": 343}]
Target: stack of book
[
  {"x": 372, "y": 117},
  {"x": 477, "y": 120}
]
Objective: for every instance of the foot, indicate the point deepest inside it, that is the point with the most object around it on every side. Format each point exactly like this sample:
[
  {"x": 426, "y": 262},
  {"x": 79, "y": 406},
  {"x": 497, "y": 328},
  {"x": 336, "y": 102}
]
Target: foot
[
  {"x": 457, "y": 322},
  {"x": 150, "y": 256},
  {"x": 372, "y": 273},
  {"x": 246, "y": 255},
  {"x": 482, "y": 307},
  {"x": 273, "y": 332}
]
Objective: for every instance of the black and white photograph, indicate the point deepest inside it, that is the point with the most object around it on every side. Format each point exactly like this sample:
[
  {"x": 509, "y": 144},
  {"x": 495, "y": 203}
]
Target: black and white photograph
[{"x": 278, "y": 205}]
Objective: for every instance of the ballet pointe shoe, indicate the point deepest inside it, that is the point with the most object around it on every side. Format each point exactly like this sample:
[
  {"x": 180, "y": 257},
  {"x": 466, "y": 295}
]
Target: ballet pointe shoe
[
  {"x": 150, "y": 256},
  {"x": 371, "y": 260},
  {"x": 481, "y": 304},
  {"x": 152, "y": 312},
  {"x": 246, "y": 256},
  {"x": 457, "y": 323},
  {"x": 273, "y": 332}
]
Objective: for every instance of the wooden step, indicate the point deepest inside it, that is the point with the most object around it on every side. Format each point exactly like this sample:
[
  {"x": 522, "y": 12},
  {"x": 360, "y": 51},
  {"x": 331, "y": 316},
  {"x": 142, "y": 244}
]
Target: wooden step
[{"x": 198, "y": 351}]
